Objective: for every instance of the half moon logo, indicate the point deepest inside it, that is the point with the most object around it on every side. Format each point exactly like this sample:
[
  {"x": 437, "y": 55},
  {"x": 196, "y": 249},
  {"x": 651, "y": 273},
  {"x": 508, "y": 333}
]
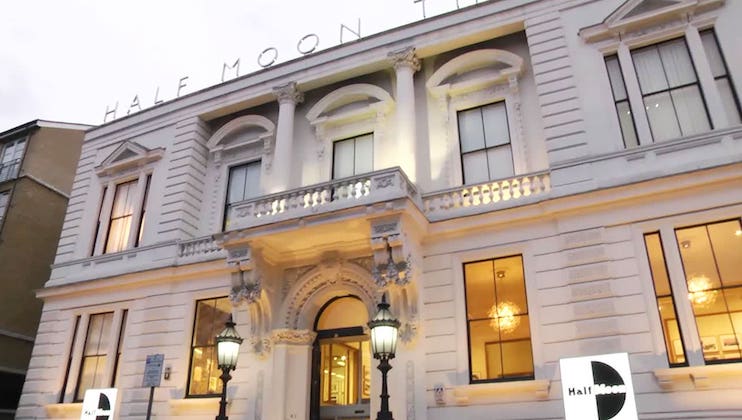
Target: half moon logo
[{"x": 609, "y": 391}]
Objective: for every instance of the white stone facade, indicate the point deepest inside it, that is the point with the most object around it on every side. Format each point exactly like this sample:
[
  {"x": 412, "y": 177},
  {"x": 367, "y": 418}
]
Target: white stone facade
[{"x": 576, "y": 208}]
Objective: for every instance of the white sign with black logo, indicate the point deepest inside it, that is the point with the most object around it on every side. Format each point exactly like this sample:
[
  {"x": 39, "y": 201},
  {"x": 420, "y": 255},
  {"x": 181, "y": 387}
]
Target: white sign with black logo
[
  {"x": 598, "y": 388},
  {"x": 99, "y": 404}
]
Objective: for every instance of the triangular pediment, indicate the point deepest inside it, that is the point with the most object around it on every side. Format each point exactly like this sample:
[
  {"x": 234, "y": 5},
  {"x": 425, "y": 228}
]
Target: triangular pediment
[
  {"x": 634, "y": 15},
  {"x": 127, "y": 155}
]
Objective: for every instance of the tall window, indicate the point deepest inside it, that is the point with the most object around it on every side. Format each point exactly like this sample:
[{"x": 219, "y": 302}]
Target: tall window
[
  {"x": 711, "y": 255},
  {"x": 353, "y": 156},
  {"x": 92, "y": 368},
  {"x": 665, "y": 300},
  {"x": 4, "y": 198},
  {"x": 211, "y": 314},
  {"x": 244, "y": 183},
  {"x": 128, "y": 202},
  {"x": 670, "y": 90},
  {"x": 484, "y": 135},
  {"x": 119, "y": 349},
  {"x": 621, "y": 100},
  {"x": 721, "y": 75},
  {"x": 11, "y": 154},
  {"x": 497, "y": 317}
]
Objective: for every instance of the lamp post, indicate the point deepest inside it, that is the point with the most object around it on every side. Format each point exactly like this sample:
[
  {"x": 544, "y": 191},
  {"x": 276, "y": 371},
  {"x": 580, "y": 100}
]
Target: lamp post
[
  {"x": 384, "y": 330},
  {"x": 227, "y": 349}
]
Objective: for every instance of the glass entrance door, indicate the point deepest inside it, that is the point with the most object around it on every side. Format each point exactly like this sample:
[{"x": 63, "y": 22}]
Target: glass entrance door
[
  {"x": 345, "y": 378},
  {"x": 341, "y": 362}
]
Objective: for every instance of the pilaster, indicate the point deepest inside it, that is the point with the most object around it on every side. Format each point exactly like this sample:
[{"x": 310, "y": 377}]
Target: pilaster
[{"x": 288, "y": 97}]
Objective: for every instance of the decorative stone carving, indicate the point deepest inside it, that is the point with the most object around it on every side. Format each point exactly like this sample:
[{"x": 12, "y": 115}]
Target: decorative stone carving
[
  {"x": 261, "y": 346},
  {"x": 288, "y": 93},
  {"x": 392, "y": 263},
  {"x": 405, "y": 58},
  {"x": 293, "y": 337}
]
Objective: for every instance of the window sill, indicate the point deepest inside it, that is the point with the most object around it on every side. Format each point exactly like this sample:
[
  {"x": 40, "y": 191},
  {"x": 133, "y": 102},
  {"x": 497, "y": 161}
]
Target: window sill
[
  {"x": 64, "y": 410},
  {"x": 193, "y": 406},
  {"x": 699, "y": 377},
  {"x": 528, "y": 390}
]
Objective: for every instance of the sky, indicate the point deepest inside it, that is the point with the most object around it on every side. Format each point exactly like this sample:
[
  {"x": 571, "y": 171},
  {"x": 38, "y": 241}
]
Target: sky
[{"x": 72, "y": 60}]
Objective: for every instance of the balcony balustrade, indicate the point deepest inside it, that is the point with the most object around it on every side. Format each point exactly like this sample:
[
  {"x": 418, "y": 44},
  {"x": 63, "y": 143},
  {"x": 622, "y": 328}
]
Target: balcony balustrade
[
  {"x": 488, "y": 196},
  {"x": 360, "y": 190}
]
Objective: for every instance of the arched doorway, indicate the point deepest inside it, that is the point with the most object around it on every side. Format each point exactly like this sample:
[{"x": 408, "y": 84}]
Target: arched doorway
[{"x": 341, "y": 361}]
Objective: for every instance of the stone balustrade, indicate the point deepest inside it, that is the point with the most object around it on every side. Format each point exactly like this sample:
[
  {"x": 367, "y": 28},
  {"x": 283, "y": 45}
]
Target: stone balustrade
[
  {"x": 204, "y": 246},
  {"x": 491, "y": 195}
]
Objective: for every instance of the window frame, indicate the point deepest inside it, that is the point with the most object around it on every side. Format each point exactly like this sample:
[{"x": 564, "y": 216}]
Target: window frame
[
  {"x": 485, "y": 148},
  {"x": 227, "y": 172},
  {"x": 15, "y": 162},
  {"x": 78, "y": 324},
  {"x": 532, "y": 317},
  {"x": 669, "y": 89},
  {"x": 8, "y": 194},
  {"x": 727, "y": 75},
  {"x": 690, "y": 335},
  {"x": 191, "y": 347},
  {"x": 616, "y": 102},
  {"x": 355, "y": 140}
]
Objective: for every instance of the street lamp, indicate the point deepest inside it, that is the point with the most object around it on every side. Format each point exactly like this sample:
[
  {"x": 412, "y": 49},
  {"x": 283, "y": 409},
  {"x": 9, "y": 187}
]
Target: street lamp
[
  {"x": 227, "y": 349},
  {"x": 384, "y": 330}
]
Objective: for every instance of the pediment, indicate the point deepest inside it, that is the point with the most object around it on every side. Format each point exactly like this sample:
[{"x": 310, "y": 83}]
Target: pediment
[
  {"x": 127, "y": 155},
  {"x": 634, "y": 15}
]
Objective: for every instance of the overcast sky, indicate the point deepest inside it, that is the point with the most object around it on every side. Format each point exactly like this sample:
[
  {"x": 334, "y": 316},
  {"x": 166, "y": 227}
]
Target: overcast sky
[{"x": 67, "y": 60}]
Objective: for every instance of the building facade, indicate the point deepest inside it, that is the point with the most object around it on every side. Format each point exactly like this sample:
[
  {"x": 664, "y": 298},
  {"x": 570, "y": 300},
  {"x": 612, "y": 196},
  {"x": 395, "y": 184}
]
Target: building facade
[
  {"x": 37, "y": 166},
  {"x": 527, "y": 181}
]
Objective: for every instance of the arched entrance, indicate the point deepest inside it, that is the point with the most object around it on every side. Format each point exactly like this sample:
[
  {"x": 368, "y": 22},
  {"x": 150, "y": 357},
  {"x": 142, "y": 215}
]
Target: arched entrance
[{"x": 341, "y": 361}]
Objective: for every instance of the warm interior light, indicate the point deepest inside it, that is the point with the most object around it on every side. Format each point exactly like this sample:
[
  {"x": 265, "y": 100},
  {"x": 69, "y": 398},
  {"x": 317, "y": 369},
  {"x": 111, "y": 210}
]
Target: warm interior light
[
  {"x": 738, "y": 232},
  {"x": 504, "y": 317},
  {"x": 698, "y": 290}
]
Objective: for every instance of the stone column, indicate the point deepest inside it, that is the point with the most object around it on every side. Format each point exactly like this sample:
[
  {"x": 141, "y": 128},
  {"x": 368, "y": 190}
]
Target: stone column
[
  {"x": 288, "y": 97},
  {"x": 405, "y": 65},
  {"x": 292, "y": 370}
]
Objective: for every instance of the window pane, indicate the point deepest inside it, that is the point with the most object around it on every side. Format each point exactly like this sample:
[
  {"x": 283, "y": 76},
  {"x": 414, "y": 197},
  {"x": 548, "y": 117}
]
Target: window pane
[
  {"x": 661, "y": 116},
  {"x": 252, "y": 180},
  {"x": 616, "y": 78},
  {"x": 649, "y": 70},
  {"x": 713, "y": 53},
  {"x": 495, "y": 119},
  {"x": 480, "y": 291},
  {"x": 475, "y": 167},
  {"x": 727, "y": 248},
  {"x": 499, "y": 327},
  {"x": 657, "y": 264},
  {"x": 698, "y": 259},
  {"x": 690, "y": 110},
  {"x": 677, "y": 63},
  {"x": 91, "y": 375},
  {"x": 211, "y": 315},
  {"x": 364, "y": 154},
  {"x": 727, "y": 99},
  {"x": 627, "y": 124},
  {"x": 673, "y": 341},
  {"x": 118, "y": 234},
  {"x": 123, "y": 200},
  {"x": 237, "y": 177},
  {"x": 471, "y": 130},
  {"x": 500, "y": 162},
  {"x": 343, "y": 158}
]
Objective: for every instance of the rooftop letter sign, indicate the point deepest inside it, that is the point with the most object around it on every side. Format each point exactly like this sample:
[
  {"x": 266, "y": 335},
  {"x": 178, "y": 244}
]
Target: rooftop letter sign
[{"x": 598, "y": 388}]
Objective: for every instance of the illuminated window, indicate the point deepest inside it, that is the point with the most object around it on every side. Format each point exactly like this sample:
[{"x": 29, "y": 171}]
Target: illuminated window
[
  {"x": 712, "y": 263},
  {"x": 665, "y": 300},
  {"x": 498, "y": 322},
  {"x": 119, "y": 349},
  {"x": 353, "y": 156},
  {"x": 244, "y": 183},
  {"x": 211, "y": 315},
  {"x": 711, "y": 255},
  {"x": 121, "y": 215},
  {"x": 95, "y": 352},
  {"x": 484, "y": 136}
]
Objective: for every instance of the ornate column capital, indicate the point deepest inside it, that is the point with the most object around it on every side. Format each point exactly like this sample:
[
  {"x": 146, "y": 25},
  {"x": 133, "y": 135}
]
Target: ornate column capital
[
  {"x": 405, "y": 58},
  {"x": 293, "y": 337},
  {"x": 288, "y": 93}
]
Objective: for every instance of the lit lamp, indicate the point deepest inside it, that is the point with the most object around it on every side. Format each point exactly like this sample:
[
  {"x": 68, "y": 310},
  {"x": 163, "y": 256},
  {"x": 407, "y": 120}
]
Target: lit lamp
[
  {"x": 227, "y": 349},
  {"x": 384, "y": 331}
]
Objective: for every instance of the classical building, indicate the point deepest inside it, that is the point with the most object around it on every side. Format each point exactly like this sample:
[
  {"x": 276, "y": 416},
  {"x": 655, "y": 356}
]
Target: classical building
[
  {"x": 37, "y": 166},
  {"x": 527, "y": 181}
]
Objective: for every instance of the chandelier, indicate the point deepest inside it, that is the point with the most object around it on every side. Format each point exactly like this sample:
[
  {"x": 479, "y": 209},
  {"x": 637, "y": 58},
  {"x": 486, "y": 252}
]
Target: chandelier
[
  {"x": 504, "y": 317},
  {"x": 699, "y": 290}
]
